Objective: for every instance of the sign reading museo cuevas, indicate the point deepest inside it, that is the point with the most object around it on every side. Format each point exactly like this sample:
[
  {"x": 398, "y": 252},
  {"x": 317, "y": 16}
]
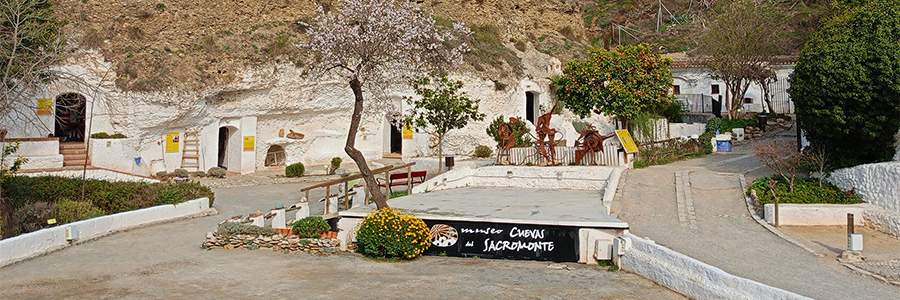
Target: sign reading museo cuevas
[{"x": 497, "y": 240}]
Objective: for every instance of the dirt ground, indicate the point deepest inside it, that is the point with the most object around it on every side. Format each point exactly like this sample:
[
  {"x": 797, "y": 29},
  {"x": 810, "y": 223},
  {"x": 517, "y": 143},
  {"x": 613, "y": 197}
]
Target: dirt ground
[
  {"x": 165, "y": 262},
  {"x": 832, "y": 241}
]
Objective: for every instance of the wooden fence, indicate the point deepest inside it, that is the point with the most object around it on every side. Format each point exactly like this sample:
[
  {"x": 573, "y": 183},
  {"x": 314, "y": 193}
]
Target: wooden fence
[{"x": 566, "y": 155}]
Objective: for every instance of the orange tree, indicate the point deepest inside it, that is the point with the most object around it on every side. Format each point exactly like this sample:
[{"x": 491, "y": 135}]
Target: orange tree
[{"x": 623, "y": 82}]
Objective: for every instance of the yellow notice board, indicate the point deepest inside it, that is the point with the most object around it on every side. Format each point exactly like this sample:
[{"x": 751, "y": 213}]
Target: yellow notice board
[
  {"x": 626, "y": 140},
  {"x": 172, "y": 139},
  {"x": 44, "y": 106},
  {"x": 249, "y": 143},
  {"x": 407, "y": 132}
]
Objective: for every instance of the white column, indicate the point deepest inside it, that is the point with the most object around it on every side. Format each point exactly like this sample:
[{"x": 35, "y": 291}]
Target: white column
[
  {"x": 303, "y": 212},
  {"x": 360, "y": 198},
  {"x": 278, "y": 220}
]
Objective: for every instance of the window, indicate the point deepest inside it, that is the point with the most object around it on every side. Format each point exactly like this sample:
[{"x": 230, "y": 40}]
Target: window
[
  {"x": 715, "y": 89},
  {"x": 748, "y": 100},
  {"x": 676, "y": 90}
]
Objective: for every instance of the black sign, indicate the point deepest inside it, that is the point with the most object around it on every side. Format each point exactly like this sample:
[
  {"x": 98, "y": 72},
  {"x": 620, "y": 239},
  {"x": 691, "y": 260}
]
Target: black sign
[{"x": 498, "y": 240}]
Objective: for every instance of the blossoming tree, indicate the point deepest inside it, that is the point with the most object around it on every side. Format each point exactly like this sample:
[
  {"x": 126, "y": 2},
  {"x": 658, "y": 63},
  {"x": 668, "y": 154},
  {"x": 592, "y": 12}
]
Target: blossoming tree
[{"x": 375, "y": 45}]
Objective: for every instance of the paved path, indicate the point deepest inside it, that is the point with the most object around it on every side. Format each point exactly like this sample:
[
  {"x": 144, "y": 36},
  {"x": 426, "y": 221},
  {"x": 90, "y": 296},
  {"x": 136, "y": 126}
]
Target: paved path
[
  {"x": 696, "y": 207},
  {"x": 166, "y": 262}
]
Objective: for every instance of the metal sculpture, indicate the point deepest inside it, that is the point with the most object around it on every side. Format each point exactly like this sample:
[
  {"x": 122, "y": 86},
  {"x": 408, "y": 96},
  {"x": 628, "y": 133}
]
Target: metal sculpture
[
  {"x": 544, "y": 132},
  {"x": 508, "y": 135},
  {"x": 589, "y": 142}
]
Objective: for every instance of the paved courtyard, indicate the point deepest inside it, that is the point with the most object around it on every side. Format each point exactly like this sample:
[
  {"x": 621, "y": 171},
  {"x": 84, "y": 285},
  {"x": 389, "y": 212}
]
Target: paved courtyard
[{"x": 166, "y": 262}]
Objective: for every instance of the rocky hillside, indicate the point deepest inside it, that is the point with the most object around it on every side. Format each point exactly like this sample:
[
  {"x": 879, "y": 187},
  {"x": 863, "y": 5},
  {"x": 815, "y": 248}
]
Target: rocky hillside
[{"x": 156, "y": 44}]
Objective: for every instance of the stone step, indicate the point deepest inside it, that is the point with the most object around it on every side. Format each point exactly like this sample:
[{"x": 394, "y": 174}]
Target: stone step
[
  {"x": 71, "y": 146},
  {"x": 74, "y": 157},
  {"x": 80, "y": 162},
  {"x": 67, "y": 152}
]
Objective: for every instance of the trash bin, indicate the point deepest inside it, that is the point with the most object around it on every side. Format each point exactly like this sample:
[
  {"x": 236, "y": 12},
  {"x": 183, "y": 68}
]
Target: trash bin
[
  {"x": 762, "y": 119},
  {"x": 448, "y": 161},
  {"x": 723, "y": 146}
]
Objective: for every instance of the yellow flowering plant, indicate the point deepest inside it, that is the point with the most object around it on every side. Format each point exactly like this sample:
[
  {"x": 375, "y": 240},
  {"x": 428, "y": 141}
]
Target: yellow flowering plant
[{"x": 389, "y": 233}]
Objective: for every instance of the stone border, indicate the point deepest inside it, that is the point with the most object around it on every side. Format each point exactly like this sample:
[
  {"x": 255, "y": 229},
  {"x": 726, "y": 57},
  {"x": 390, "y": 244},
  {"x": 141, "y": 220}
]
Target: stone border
[
  {"x": 752, "y": 211},
  {"x": 44, "y": 241},
  {"x": 692, "y": 277},
  {"x": 818, "y": 214}
]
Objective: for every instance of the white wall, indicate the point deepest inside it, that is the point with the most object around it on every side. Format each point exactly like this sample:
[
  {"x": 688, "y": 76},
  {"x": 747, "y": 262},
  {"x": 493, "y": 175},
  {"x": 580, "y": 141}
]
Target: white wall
[
  {"x": 878, "y": 183},
  {"x": 692, "y": 277},
  {"x": 814, "y": 214},
  {"x": 41, "y": 154},
  {"x": 50, "y": 239},
  {"x": 684, "y": 129},
  {"x": 117, "y": 154},
  {"x": 562, "y": 177}
]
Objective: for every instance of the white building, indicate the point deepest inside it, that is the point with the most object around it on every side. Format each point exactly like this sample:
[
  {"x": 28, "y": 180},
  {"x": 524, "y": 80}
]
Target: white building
[
  {"x": 241, "y": 123},
  {"x": 695, "y": 86}
]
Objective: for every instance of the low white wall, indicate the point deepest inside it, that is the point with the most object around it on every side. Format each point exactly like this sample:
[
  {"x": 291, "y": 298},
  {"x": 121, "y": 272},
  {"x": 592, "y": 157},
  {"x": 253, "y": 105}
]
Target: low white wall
[
  {"x": 41, "y": 154},
  {"x": 692, "y": 277},
  {"x": 684, "y": 129},
  {"x": 878, "y": 184},
  {"x": 38, "y": 148},
  {"x": 118, "y": 155},
  {"x": 568, "y": 177},
  {"x": 814, "y": 214},
  {"x": 50, "y": 239},
  {"x": 99, "y": 174},
  {"x": 883, "y": 220}
]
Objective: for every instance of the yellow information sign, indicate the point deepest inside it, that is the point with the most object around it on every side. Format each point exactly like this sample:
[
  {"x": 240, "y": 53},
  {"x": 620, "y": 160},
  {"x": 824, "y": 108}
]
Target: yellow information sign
[
  {"x": 407, "y": 132},
  {"x": 44, "y": 106},
  {"x": 249, "y": 143},
  {"x": 172, "y": 139},
  {"x": 626, "y": 140}
]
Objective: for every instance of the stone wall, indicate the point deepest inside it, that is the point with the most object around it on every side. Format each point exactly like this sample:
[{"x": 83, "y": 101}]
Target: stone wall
[{"x": 278, "y": 242}]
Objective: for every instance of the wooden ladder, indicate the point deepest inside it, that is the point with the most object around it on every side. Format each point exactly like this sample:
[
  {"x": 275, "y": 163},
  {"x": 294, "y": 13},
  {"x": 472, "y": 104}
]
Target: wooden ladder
[{"x": 190, "y": 154}]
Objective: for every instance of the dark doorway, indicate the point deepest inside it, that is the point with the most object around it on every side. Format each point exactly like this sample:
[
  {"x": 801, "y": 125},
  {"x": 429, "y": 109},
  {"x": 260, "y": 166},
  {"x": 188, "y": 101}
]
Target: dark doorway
[
  {"x": 223, "y": 145},
  {"x": 396, "y": 139},
  {"x": 70, "y": 117},
  {"x": 529, "y": 107}
]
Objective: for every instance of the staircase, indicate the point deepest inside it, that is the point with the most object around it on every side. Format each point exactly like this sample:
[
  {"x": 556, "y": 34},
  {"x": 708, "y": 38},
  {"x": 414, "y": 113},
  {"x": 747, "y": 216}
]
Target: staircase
[
  {"x": 190, "y": 154},
  {"x": 74, "y": 154}
]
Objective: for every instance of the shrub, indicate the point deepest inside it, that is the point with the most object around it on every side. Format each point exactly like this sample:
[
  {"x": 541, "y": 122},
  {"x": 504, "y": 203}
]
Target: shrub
[
  {"x": 71, "y": 210},
  {"x": 389, "y": 233},
  {"x": 181, "y": 173},
  {"x": 522, "y": 139},
  {"x": 33, "y": 216},
  {"x": 581, "y": 125},
  {"x": 706, "y": 142},
  {"x": 310, "y": 227},
  {"x": 845, "y": 83},
  {"x": 483, "y": 151},
  {"x": 294, "y": 170},
  {"x": 162, "y": 174},
  {"x": 200, "y": 174},
  {"x": 232, "y": 228},
  {"x": 216, "y": 172},
  {"x": 335, "y": 164},
  {"x": 806, "y": 190},
  {"x": 725, "y": 125},
  {"x": 104, "y": 135}
]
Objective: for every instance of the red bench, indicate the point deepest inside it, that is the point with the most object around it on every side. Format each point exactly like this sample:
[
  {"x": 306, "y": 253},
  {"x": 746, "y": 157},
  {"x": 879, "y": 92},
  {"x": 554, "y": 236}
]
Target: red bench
[{"x": 398, "y": 179}]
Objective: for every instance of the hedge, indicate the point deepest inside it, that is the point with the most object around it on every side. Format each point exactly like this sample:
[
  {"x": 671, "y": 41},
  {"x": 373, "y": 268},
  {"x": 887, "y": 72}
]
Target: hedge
[
  {"x": 806, "y": 190},
  {"x": 112, "y": 197}
]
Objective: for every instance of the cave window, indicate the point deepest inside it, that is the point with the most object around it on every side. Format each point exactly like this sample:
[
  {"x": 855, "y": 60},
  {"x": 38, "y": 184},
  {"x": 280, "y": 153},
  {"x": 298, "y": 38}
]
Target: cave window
[{"x": 275, "y": 156}]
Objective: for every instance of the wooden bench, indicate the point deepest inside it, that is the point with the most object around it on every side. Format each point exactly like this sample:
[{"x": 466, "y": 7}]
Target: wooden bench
[{"x": 398, "y": 179}]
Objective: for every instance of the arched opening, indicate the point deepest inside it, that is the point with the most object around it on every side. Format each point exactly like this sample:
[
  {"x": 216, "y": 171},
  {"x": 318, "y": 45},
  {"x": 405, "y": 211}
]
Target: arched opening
[
  {"x": 229, "y": 148},
  {"x": 70, "y": 117},
  {"x": 275, "y": 156},
  {"x": 531, "y": 107}
]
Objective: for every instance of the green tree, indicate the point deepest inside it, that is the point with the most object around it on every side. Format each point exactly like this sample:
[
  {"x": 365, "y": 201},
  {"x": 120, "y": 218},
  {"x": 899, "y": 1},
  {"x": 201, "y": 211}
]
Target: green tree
[
  {"x": 846, "y": 84},
  {"x": 623, "y": 82},
  {"x": 441, "y": 108}
]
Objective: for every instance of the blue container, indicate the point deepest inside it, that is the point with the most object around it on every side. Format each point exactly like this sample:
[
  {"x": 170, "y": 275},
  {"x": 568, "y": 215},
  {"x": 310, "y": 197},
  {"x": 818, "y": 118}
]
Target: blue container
[{"x": 723, "y": 146}]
